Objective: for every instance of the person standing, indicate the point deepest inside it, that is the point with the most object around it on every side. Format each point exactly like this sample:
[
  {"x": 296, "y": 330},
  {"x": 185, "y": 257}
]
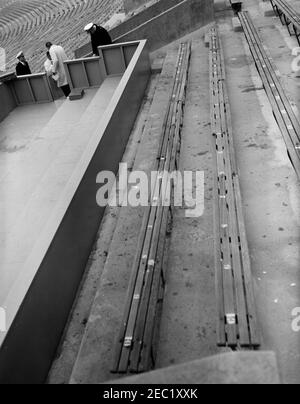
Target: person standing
[
  {"x": 58, "y": 57},
  {"x": 99, "y": 37},
  {"x": 22, "y": 68}
]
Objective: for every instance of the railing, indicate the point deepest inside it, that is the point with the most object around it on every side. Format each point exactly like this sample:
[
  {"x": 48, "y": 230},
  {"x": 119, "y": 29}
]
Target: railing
[
  {"x": 89, "y": 72},
  {"x": 284, "y": 114}
]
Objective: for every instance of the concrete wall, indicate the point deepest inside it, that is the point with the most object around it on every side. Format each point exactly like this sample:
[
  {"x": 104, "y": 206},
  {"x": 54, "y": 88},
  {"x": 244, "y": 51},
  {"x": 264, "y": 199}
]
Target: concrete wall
[
  {"x": 185, "y": 17},
  {"x": 7, "y": 101},
  {"x": 182, "y": 17},
  {"x": 31, "y": 342}
]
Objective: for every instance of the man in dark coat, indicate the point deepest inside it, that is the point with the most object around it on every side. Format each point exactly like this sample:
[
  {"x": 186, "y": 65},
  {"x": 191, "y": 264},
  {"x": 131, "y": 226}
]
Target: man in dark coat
[
  {"x": 22, "y": 68},
  {"x": 99, "y": 36}
]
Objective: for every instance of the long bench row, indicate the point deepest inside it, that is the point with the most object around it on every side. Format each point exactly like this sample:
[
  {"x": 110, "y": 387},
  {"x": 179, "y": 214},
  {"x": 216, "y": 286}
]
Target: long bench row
[{"x": 237, "y": 322}]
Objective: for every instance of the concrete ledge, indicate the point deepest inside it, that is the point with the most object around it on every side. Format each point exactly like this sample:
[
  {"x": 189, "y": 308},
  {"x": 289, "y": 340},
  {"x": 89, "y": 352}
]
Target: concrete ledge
[
  {"x": 76, "y": 94},
  {"x": 132, "y": 5},
  {"x": 7, "y": 77},
  {"x": 229, "y": 368},
  {"x": 236, "y": 24},
  {"x": 267, "y": 9},
  {"x": 8, "y": 102}
]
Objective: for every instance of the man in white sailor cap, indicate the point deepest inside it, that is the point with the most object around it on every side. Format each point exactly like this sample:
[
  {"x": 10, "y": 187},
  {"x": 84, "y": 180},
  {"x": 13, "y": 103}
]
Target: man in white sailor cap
[
  {"x": 99, "y": 36},
  {"x": 22, "y": 68}
]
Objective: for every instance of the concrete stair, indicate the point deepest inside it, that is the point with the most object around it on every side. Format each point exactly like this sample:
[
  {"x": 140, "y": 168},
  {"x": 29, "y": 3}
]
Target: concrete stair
[{"x": 29, "y": 24}]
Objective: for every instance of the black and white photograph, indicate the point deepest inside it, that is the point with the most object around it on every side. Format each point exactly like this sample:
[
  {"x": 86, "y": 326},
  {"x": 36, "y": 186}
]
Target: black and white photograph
[{"x": 149, "y": 195}]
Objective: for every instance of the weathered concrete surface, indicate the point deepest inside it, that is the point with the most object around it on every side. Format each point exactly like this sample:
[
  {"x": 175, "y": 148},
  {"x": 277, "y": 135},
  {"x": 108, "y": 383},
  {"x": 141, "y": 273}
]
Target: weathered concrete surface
[
  {"x": 270, "y": 189},
  {"x": 67, "y": 353},
  {"x": 230, "y": 368}
]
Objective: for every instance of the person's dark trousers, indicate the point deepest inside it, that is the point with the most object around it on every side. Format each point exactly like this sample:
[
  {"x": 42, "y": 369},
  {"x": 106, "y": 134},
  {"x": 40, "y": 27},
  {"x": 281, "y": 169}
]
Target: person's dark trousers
[{"x": 66, "y": 90}]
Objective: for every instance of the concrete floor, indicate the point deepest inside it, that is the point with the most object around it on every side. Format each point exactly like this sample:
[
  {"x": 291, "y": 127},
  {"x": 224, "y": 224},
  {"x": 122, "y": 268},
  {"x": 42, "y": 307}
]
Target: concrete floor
[
  {"x": 95, "y": 356},
  {"x": 270, "y": 188},
  {"x": 271, "y": 196}
]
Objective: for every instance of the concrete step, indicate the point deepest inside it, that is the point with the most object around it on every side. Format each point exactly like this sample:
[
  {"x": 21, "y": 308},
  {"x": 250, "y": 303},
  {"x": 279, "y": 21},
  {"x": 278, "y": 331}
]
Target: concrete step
[{"x": 228, "y": 368}]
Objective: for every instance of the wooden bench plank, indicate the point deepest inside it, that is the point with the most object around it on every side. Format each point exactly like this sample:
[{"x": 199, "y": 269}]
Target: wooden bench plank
[
  {"x": 226, "y": 265},
  {"x": 283, "y": 112},
  {"x": 288, "y": 16},
  {"x": 230, "y": 269}
]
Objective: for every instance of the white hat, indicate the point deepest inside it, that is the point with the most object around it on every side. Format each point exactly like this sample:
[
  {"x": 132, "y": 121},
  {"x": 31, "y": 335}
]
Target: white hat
[
  {"x": 88, "y": 27},
  {"x": 20, "y": 54}
]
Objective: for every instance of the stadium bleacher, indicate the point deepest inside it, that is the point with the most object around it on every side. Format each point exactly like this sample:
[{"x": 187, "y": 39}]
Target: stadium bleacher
[{"x": 26, "y": 25}]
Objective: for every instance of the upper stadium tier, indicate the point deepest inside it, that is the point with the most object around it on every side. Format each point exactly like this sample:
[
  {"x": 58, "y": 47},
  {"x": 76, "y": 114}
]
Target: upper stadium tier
[
  {"x": 150, "y": 220},
  {"x": 28, "y": 24}
]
